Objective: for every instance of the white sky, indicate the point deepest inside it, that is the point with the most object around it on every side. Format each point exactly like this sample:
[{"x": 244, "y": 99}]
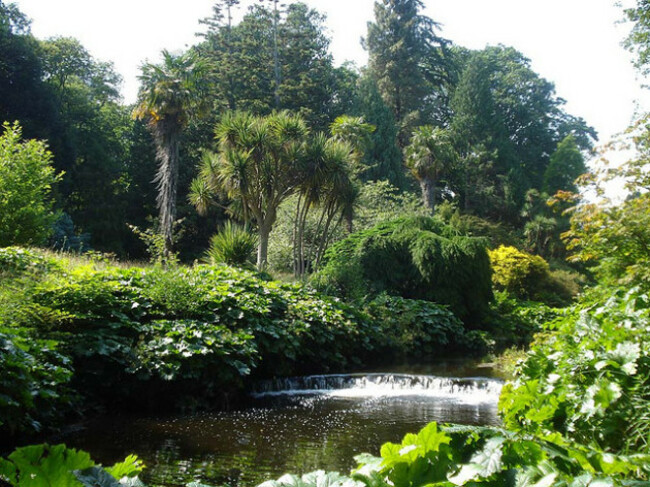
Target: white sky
[{"x": 574, "y": 43}]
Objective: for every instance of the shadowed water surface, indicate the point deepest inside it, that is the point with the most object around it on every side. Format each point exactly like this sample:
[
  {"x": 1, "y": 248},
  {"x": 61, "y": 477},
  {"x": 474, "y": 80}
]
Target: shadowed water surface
[{"x": 294, "y": 425}]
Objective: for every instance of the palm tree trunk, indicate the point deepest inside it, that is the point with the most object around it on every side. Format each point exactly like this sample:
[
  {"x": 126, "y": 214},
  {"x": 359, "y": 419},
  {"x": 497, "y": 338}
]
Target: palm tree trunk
[
  {"x": 428, "y": 187},
  {"x": 167, "y": 152}
]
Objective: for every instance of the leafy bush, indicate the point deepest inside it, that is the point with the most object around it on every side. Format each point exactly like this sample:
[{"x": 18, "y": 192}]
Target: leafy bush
[
  {"x": 136, "y": 335},
  {"x": 513, "y": 322},
  {"x": 16, "y": 260},
  {"x": 586, "y": 376},
  {"x": 517, "y": 272},
  {"x": 422, "y": 329},
  {"x": 462, "y": 455},
  {"x": 528, "y": 276},
  {"x": 415, "y": 258},
  {"x": 233, "y": 245},
  {"x": 34, "y": 383},
  {"x": 496, "y": 233},
  {"x": 26, "y": 180}
]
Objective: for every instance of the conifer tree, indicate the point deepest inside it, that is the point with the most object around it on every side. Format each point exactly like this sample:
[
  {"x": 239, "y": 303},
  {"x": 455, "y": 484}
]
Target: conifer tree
[{"x": 410, "y": 63}]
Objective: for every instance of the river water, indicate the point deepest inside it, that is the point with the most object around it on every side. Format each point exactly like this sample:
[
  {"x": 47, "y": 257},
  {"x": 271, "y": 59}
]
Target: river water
[{"x": 295, "y": 425}]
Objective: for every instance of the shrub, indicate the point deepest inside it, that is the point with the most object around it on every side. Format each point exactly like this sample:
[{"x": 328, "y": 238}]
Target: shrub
[
  {"x": 529, "y": 277},
  {"x": 513, "y": 322},
  {"x": 16, "y": 260},
  {"x": 233, "y": 245},
  {"x": 34, "y": 383},
  {"x": 517, "y": 272},
  {"x": 137, "y": 335},
  {"x": 422, "y": 330},
  {"x": 562, "y": 287},
  {"x": 26, "y": 180},
  {"x": 586, "y": 375},
  {"x": 415, "y": 258}
]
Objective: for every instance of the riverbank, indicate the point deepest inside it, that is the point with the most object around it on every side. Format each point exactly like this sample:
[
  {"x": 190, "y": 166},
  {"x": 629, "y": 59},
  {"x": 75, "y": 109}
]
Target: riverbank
[{"x": 90, "y": 336}]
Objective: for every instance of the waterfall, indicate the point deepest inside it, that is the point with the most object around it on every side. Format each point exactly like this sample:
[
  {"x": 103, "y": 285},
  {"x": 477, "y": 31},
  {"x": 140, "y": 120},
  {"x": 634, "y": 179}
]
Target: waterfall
[{"x": 457, "y": 389}]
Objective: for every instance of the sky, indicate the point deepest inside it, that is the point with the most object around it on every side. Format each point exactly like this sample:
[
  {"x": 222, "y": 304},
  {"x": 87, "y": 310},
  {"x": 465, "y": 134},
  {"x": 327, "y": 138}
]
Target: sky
[{"x": 574, "y": 43}]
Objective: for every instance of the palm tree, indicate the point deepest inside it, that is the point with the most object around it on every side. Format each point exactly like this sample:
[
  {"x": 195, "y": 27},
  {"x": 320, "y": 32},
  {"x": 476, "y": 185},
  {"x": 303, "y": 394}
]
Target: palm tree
[
  {"x": 169, "y": 92},
  {"x": 430, "y": 153},
  {"x": 329, "y": 185},
  {"x": 260, "y": 163}
]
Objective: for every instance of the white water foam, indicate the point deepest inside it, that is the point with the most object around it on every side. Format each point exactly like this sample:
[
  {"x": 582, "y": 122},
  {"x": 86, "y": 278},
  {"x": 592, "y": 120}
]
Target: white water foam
[{"x": 462, "y": 390}]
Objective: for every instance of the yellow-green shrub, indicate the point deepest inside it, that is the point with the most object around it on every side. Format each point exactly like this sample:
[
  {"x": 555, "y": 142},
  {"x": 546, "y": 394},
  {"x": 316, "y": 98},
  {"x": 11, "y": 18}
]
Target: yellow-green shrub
[
  {"x": 517, "y": 272},
  {"x": 528, "y": 276}
]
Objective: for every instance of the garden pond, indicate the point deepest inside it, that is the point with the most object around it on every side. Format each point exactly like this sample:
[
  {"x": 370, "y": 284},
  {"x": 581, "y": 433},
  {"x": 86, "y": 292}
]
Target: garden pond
[{"x": 295, "y": 425}]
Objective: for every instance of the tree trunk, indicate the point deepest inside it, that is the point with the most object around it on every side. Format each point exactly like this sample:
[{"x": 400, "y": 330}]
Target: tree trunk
[
  {"x": 428, "y": 187},
  {"x": 296, "y": 237},
  {"x": 167, "y": 152},
  {"x": 323, "y": 243},
  {"x": 263, "y": 246},
  {"x": 276, "y": 57}
]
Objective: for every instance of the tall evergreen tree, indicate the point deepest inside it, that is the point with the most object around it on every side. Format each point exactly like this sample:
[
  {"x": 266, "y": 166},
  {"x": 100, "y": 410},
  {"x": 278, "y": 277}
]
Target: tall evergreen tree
[
  {"x": 383, "y": 157},
  {"x": 410, "y": 63},
  {"x": 505, "y": 111},
  {"x": 566, "y": 164},
  {"x": 23, "y": 94},
  {"x": 273, "y": 59}
]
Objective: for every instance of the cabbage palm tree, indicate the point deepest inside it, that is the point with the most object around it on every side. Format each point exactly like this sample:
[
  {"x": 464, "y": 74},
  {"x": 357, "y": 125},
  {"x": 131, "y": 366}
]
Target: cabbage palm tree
[
  {"x": 168, "y": 94},
  {"x": 430, "y": 153},
  {"x": 329, "y": 185},
  {"x": 260, "y": 163}
]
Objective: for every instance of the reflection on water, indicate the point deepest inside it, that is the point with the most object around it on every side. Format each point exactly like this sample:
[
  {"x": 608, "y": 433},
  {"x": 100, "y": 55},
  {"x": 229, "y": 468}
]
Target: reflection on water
[{"x": 320, "y": 427}]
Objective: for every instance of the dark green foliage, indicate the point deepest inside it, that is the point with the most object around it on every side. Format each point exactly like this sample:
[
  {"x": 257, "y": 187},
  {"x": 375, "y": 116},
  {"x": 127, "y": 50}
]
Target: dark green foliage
[
  {"x": 565, "y": 165},
  {"x": 135, "y": 336},
  {"x": 416, "y": 258},
  {"x": 24, "y": 96},
  {"x": 422, "y": 330},
  {"x": 410, "y": 64},
  {"x": 34, "y": 383},
  {"x": 496, "y": 233},
  {"x": 508, "y": 121},
  {"x": 201, "y": 329},
  {"x": 243, "y": 66},
  {"x": 383, "y": 157},
  {"x": 513, "y": 322}
]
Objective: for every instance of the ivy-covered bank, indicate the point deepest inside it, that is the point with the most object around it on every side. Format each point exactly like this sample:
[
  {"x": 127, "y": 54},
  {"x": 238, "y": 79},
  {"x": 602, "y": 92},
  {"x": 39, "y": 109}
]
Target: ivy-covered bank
[{"x": 82, "y": 334}]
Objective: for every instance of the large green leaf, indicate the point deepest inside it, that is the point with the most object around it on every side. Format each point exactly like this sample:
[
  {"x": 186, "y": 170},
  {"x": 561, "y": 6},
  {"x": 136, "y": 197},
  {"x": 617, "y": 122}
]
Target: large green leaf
[
  {"x": 44, "y": 465},
  {"x": 130, "y": 467}
]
